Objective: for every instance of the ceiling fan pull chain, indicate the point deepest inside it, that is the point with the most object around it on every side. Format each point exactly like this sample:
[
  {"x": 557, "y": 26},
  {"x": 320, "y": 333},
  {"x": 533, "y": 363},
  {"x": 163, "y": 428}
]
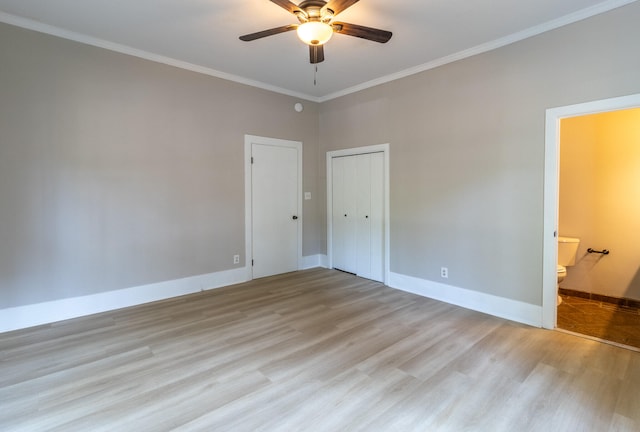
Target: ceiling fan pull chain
[{"x": 315, "y": 76}]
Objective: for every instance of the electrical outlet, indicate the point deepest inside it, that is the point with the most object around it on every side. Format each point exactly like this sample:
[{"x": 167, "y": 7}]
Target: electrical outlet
[
  {"x": 444, "y": 272},
  {"x": 236, "y": 259}
]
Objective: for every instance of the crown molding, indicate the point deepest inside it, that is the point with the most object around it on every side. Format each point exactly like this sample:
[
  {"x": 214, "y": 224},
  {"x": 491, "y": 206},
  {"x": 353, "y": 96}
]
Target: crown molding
[
  {"x": 489, "y": 46},
  {"x": 479, "y": 49},
  {"x": 40, "y": 27}
]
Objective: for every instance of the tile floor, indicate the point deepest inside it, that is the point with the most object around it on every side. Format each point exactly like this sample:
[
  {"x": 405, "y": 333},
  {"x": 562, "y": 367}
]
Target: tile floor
[{"x": 602, "y": 320}]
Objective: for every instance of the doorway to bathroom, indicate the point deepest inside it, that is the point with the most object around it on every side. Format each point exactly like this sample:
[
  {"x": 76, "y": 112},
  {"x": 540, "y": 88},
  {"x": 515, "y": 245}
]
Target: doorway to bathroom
[{"x": 592, "y": 192}]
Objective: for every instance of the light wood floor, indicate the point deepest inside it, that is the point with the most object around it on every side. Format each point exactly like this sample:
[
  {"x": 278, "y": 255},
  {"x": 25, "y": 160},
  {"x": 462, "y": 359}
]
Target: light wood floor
[{"x": 316, "y": 350}]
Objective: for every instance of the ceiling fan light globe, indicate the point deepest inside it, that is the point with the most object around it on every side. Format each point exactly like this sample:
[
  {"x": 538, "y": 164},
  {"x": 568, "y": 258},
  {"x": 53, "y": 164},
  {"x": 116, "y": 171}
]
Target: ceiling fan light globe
[{"x": 315, "y": 32}]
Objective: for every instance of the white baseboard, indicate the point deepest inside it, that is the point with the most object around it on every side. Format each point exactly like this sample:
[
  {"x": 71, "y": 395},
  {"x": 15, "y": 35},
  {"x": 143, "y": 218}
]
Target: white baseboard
[
  {"x": 48, "y": 312},
  {"x": 493, "y": 305},
  {"x": 313, "y": 261}
]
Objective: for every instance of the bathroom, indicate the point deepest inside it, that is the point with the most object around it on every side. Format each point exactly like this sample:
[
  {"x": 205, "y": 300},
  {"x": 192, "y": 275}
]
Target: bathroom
[{"x": 599, "y": 204}]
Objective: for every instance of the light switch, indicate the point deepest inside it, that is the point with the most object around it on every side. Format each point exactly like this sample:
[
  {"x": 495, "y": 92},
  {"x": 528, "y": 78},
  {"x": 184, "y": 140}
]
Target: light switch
[{"x": 307, "y": 195}]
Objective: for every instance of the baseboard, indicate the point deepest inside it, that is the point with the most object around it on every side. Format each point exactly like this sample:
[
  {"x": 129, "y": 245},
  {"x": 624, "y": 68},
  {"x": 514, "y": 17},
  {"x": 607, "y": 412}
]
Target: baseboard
[
  {"x": 624, "y": 302},
  {"x": 493, "y": 305},
  {"x": 313, "y": 261},
  {"x": 48, "y": 312}
]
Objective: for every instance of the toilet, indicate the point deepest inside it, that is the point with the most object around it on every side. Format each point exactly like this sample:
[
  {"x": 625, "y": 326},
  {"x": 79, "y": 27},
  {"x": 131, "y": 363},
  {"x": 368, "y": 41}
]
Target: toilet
[{"x": 567, "y": 250}]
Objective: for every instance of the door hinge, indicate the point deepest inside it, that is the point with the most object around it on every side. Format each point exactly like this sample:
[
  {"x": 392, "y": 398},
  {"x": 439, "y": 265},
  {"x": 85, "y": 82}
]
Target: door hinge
[
  {"x": 251, "y": 159},
  {"x": 251, "y": 263}
]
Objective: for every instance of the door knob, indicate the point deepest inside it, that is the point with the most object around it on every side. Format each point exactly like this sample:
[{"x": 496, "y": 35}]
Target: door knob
[{"x": 295, "y": 217}]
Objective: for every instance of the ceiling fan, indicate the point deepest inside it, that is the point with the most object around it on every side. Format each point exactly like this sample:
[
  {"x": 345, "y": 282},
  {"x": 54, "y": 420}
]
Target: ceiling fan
[{"x": 317, "y": 26}]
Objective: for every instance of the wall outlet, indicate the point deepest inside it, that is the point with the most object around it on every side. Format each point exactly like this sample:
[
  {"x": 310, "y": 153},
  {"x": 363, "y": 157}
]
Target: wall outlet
[
  {"x": 236, "y": 259},
  {"x": 444, "y": 272}
]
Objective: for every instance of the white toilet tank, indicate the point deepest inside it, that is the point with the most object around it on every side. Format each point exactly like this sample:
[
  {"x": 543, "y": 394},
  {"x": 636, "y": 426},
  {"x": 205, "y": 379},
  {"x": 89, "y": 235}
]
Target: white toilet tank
[{"x": 567, "y": 249}]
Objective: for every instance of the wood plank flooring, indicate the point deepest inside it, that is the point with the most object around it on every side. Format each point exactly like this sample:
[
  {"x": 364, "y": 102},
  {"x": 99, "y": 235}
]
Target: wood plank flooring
[{"x": 317, "y": 350}]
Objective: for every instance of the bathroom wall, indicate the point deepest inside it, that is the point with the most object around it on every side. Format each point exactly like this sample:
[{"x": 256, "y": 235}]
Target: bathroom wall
[{"x": 600, "y": 201}]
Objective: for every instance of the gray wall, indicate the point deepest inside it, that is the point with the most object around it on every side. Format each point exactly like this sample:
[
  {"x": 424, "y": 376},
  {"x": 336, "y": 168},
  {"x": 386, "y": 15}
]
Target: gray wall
[
  {"x": 117, "y": 172},
  {"x": 467, "y": 149}
]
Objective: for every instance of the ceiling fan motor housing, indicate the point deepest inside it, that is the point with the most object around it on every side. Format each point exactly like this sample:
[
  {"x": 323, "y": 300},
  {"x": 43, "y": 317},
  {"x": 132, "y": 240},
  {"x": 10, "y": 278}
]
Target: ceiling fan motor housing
[{"x": 313, "y": 11}]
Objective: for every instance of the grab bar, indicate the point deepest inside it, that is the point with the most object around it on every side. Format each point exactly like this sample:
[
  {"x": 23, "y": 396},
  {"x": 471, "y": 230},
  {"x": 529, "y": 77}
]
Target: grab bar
[{"x": 603, "y": 251}]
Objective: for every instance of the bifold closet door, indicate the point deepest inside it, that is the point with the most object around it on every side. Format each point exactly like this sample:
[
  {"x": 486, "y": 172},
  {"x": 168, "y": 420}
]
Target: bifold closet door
[
  {"x": 370, "y": 216},
  {"x": 344, "y": 211},
  {"x": 358, "y": 214}
]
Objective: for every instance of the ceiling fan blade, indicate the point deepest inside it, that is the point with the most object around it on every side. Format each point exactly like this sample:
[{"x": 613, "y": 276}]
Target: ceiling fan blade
[
  {"x": 316, "y": 53},
  {"x": 363, "y": 32},
  {"x": 270, "y": 32},
  {"x": 338, "y": 6},
  {"x": 286, "y": 4}
]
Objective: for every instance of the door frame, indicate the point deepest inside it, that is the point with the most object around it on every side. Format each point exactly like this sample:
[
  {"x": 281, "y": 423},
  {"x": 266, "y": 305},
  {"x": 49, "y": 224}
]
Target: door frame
[
  {"x": 249, "y": 140},
  {"x": 378, "y": 148},
  {"x": 551, "y": 192}
]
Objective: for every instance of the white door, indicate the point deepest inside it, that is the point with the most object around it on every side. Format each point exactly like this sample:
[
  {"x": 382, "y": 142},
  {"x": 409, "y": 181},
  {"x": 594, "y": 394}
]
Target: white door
[
  {"x": 344, "y": 214},
  {"x": 370, "y": 211},
  {"x": 358, "y": 214},
  {"x": 275, "y": 207}
]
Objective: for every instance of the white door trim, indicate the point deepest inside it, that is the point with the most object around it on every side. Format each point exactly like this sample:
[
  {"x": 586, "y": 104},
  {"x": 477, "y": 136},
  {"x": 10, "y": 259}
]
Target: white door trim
[
  {"x": 248, "y": 195},
  {"x": 384, "y": 148},
  {"x": 551, "y": 185}
]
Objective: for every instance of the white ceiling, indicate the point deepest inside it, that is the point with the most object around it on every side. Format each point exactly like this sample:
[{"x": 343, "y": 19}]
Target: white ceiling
[{"x": 203, "y": 35}]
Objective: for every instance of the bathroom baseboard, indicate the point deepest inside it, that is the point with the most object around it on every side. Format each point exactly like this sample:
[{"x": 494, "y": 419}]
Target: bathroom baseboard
[{"x": 618, "y": 301}]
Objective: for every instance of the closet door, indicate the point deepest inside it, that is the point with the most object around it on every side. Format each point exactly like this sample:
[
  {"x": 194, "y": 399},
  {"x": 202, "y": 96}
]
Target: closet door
[
  {"x": 363, "y": 215},
  {"x": 370, "y": 216},
  {"x": 344, "y": 212},
  {"x": 358, "y": 215}
]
